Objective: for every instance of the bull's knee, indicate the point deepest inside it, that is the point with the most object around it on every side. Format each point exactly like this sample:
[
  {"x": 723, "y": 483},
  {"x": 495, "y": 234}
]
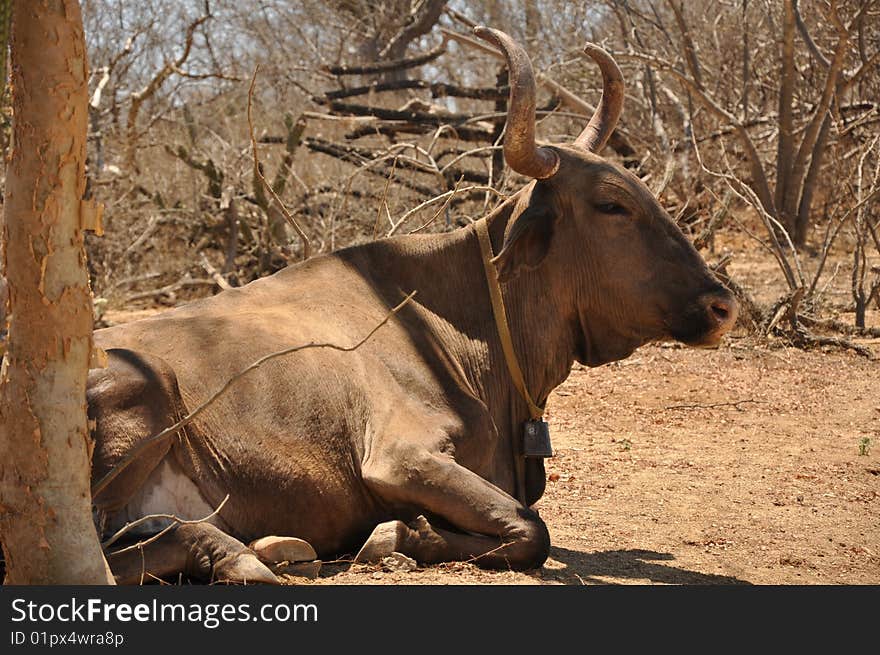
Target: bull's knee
[
  {"x": 398, "y": 470},
  {"x": 531, "y": 544}
]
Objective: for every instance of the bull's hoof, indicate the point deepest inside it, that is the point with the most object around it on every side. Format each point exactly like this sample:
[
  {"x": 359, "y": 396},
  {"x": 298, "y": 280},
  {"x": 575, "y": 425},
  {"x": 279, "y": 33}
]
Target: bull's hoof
[
  {"x": 283, "y": 549},
  {"x": 243, "y": 568},
  {"x": 386, "y": 539}
]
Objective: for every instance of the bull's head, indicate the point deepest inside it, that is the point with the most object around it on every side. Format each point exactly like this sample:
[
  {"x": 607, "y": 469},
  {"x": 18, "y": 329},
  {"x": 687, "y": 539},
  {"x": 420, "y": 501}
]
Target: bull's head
[{"x": 602, "y": 242}]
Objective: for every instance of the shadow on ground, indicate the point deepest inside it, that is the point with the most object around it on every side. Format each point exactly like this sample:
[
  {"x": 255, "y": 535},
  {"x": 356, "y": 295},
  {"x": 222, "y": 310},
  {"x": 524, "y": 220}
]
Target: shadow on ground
[
  {"x": 587, "y": 568},
  {"x": 574, "y": 567}
]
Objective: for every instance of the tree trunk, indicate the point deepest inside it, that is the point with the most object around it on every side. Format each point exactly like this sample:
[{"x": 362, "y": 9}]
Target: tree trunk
[
  {"x": 812, "y": 132},
  {"x": 46, "y": 520},
  {"x": 417, "y": 24},
  {"x": 785, "y": 148},
  {"x": 811, "y": 181}
]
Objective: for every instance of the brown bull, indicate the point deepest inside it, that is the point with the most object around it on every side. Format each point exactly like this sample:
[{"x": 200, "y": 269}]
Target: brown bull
[{"x": 410, "y": 443}]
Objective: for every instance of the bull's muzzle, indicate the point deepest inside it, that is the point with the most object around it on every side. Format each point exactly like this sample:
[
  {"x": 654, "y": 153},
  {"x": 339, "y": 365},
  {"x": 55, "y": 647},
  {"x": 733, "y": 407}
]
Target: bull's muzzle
[{"x": 721, "y": 311}]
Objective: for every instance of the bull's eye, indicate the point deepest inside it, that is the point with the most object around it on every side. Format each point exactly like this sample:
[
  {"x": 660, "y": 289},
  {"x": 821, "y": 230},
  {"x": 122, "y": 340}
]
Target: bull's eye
[{"x": 610, "y": 208}]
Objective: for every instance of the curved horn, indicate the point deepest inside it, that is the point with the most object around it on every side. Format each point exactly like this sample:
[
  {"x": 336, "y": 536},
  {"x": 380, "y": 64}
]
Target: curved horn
[
  {"x": 602, "y": 124},
  {"x": 520, "y": 150}
]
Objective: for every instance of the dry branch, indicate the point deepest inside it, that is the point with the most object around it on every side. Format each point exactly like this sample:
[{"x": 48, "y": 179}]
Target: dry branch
[
  {"x": 398, "y": 114},
  {"x": 360, "y": 156},
  {"x": 772, "y": 225},
  {"x": 386, "y": 66},
  {"x": 187, "y": 281},
  {"x": 421, "y": 19},
  {"x": 438, "y": 90},
  {"x": 448, "y": 197},
  {"x": 258, "y": 173},
  {"x": 168, "y": 69},
  {"x": 760, "y": 184},
  {"x": 393, "y": 128},
  {"x": 213, "y": 272},
  {"x": 128, "y": 527}
]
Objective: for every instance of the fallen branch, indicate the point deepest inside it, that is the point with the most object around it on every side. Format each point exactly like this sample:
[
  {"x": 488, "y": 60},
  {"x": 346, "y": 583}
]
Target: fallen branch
[
  {"x": 804, "y": 339},
  {"x": 352, "y": 157},
  {"x": 111, "y": 475},
  {"x": 385, "y": 66},
  {"x": 735, "y": 404},
  {"x": 170, "y": 288},
  {"x": 399, "y": 114},
  {"x": 393, "y": 128},
  {"x": 438, "y": 90},
  {"x": 839, "y": 326}
]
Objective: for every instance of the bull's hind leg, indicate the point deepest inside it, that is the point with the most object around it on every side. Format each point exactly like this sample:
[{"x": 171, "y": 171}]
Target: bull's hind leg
[
  {"x": 489, "y": 527},
  {"x": 134, "y": 397},
  {"x": 199, "y": 550}
]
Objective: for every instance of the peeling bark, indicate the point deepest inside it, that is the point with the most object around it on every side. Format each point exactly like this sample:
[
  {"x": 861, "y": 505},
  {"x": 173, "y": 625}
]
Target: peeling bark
[{"x": 45, "y": 503}]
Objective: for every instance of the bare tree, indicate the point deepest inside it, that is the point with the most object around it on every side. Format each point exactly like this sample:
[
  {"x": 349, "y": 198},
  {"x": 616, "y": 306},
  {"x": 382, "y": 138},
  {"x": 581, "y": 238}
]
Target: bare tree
[{"x": 392, "y": 98}]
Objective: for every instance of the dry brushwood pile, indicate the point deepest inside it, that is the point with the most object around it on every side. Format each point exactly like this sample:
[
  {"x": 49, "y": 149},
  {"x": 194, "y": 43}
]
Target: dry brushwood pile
[{"x": 228, "y": 140}]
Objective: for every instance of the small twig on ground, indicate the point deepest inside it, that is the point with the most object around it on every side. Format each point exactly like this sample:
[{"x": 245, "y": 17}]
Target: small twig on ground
[
  {"x": 101, "y": 484},
  {"x": 473, "y": 559},
  {"x": 735, "y": 404}
]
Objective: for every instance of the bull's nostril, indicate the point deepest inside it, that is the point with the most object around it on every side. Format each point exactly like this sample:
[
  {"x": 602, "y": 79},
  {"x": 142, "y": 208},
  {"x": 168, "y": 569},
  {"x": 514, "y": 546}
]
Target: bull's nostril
[{"x": 721, "y": 312}]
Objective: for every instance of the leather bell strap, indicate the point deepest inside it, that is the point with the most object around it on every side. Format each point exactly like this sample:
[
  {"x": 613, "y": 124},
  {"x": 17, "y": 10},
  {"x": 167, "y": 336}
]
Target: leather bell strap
[{"x": 501, "y": 319}]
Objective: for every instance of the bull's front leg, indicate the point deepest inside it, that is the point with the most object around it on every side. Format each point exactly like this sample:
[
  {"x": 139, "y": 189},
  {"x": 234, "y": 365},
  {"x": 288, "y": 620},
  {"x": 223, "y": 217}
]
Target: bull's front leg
[{"x": 492, "y": 529}]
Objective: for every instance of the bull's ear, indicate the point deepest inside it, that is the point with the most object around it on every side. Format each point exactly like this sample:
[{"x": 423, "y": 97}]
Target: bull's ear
[{"x": 529, "y": 238}]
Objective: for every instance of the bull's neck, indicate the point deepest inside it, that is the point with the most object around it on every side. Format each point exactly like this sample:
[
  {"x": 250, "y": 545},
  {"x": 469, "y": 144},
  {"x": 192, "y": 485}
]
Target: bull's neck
[
  {"x": 447, "y": 270},
  {"x": 540, "y": 325}
]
